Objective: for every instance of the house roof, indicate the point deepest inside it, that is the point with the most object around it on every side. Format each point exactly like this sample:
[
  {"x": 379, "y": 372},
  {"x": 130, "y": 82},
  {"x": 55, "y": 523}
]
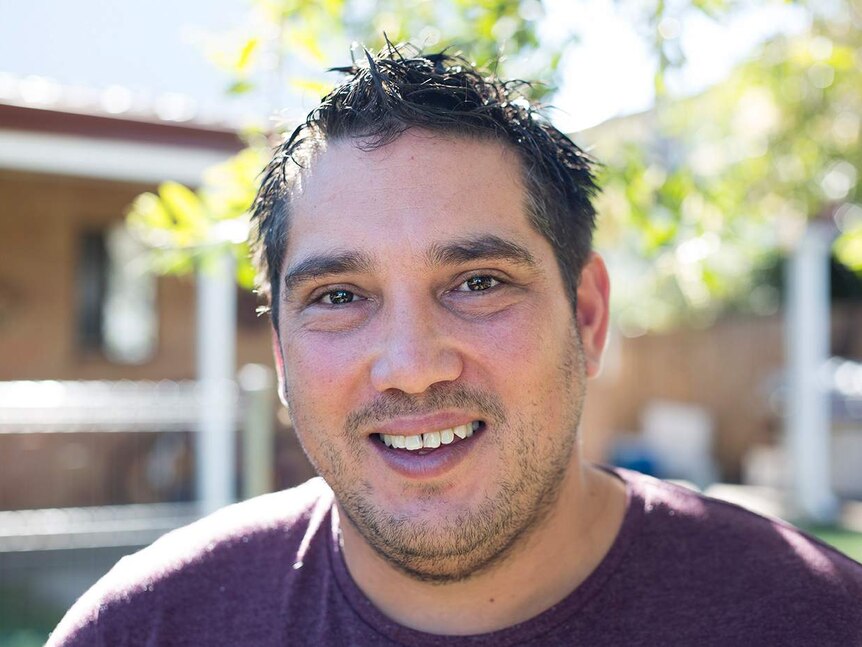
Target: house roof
[
  {"x": 102, "y": 126},
  {"x": 49, "y": 128}
]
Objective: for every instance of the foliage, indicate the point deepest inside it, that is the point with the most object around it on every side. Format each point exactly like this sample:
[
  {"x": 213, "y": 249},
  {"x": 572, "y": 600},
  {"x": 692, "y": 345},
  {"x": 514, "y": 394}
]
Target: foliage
[
  {"x": 185, "y": 227},
  {"x": 286, "y": 42},
  {"x": 717, "y": 183},
  {"x": 698, "y": 193},
  {"x": 279, "y": 46}
]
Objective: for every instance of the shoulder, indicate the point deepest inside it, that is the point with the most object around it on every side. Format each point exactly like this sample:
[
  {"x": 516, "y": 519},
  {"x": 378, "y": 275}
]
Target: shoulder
[
  {"x": 716, "y": 546},
  {"x": 271, "y": 520},
  {"x": 218, "y": 553}
]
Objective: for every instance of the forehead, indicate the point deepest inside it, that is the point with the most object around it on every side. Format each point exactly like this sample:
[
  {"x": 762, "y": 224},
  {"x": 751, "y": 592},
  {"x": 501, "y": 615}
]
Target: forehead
[{"x": 420, "y": 189}]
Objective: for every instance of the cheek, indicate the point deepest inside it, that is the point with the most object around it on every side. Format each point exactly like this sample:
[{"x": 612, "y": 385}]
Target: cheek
[
  {"x": 319, "y": 370},
  {"x": 320, "y": 359},
  {"x": 317, "y": 378},
  {"x": 520, "y": 346},
  {"x": 531, "y": 356}
]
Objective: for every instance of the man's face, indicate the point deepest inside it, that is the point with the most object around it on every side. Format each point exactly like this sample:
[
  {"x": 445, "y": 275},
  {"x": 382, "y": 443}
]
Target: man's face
[{"x": 419, "y": 300}]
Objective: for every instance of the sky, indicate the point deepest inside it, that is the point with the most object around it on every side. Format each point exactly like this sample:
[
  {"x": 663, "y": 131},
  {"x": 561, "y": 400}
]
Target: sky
[
  {"x": 153, "y": 50},
  {"x": 147, "y": 47},
  {"x": 622, "y": 83}
]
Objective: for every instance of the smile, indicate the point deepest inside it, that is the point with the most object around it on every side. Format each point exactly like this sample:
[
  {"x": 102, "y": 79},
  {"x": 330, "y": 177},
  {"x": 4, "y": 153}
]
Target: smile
[{"x": 432, "y": 439}]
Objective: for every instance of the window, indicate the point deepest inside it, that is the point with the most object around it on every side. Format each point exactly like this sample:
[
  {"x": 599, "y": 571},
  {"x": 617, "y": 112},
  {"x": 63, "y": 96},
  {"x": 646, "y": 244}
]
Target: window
[{"x": 116, "y": 297}]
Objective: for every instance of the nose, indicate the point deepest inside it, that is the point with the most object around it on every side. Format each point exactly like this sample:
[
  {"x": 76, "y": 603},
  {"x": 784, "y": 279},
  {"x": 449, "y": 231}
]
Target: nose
[{"x": 414, "y": 352}]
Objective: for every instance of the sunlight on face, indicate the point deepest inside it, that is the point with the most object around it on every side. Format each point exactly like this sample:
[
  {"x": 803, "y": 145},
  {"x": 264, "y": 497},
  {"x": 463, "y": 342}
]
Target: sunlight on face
[{"x": 417, "y": 297}]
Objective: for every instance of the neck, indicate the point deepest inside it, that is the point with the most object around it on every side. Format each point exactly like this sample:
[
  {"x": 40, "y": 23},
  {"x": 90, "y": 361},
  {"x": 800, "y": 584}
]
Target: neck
[{"x": 548, "y": 564}]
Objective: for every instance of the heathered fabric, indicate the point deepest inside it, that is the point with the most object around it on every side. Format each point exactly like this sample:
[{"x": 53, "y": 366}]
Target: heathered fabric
[{"x": 684, "y": 570}]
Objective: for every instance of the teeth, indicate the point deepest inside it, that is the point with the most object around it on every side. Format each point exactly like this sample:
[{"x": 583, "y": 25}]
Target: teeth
[{"x": 431, "y": 440}]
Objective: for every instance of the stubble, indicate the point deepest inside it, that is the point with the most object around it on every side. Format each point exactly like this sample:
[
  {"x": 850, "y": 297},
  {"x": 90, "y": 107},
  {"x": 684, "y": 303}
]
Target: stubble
[{"x": 462, "y": 545}]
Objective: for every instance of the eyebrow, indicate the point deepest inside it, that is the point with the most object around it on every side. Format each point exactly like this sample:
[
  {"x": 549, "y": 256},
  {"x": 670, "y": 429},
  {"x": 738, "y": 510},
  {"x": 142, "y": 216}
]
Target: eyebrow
[
  {"x": 486, "y": 247},
  {"x": 325, "y": 264},
  {"x": 463, "y": 250}
]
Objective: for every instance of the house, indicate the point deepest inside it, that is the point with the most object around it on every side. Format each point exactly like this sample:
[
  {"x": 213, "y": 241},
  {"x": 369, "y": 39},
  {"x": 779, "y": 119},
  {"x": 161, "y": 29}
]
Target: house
[
  {"x": 71, "y": 162},
  {"x": 68, "y": 172}
]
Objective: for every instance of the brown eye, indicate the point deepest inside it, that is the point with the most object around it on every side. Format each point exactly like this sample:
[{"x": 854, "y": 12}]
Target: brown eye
[
  {"x": 338, "y": 297},
  {"x": 479, "y": 283}
]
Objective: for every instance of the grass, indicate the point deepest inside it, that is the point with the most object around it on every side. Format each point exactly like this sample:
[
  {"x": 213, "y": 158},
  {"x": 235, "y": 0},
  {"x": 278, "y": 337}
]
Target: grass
[
  {"x": 23, "y": 638},
  {"x": 24, "y": 622},
  {"x": 847, "y": 541}
]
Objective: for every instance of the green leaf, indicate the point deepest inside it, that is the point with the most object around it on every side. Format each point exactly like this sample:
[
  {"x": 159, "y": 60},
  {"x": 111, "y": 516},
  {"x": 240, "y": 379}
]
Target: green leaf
[
  {"x": 240, "y": 87},
  {"x": 311, "y": 86},
  {"x": 848, "y": 248},
  {"x": 185, "y": 208},
  {"x": 148, "y": 212},
  {"x": 245, "y": 272},
  {"x": 306, "y": 41},
  {"x": 246, "y": 54}
]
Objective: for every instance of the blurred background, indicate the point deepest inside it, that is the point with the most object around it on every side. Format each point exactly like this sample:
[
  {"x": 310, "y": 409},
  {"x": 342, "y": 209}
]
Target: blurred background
[{"x": 136, "y": 383}]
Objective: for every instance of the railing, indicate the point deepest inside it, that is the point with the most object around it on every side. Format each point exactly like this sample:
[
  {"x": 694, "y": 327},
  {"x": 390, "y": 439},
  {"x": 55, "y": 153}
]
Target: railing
[
  {"x": 123, "y": 407},
  {"x": 74, "y": 407},
  {"x": 94, "y": 527}
]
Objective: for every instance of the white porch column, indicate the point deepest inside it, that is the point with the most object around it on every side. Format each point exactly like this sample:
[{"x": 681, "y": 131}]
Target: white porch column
[
  {"x": 808, "y": 432},
  {"x": 257, "y": 384},
  {"x": 216, "y": 363}
]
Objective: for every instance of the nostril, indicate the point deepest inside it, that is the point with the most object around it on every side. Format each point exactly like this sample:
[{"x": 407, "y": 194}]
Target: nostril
[{"x": 413, "y": 370}]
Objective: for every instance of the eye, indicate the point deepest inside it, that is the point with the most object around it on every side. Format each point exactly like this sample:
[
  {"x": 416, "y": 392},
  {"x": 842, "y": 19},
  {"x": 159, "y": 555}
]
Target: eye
[
  {"x": 478, "y": 283},
  {"x": 337, "y": 297}
]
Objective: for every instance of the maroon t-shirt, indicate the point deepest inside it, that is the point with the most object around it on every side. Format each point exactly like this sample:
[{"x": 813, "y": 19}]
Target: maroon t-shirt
[{"x": 684, "y": 570}]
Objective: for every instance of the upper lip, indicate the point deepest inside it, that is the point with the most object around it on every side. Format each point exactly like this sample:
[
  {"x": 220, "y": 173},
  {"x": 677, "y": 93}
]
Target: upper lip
[{"x": 412, "y": 426}]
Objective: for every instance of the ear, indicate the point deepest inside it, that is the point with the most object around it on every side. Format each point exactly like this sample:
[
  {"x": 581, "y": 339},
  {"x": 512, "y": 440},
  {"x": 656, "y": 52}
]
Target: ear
[
  {"x": 279, "y": 366},
  {"x": 593, "y": 311}
]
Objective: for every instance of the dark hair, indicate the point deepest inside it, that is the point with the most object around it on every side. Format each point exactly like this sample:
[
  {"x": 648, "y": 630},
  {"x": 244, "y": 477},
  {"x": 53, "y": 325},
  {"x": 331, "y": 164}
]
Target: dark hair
[{"x": 400, "y": 89}]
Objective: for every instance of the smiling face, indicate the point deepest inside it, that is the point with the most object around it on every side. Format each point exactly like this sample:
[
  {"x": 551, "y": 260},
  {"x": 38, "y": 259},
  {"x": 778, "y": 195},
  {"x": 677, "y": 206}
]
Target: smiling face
[{"x": 419, "y": 304}]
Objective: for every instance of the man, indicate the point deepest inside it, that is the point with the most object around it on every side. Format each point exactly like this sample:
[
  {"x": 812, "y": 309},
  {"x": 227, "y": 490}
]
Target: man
[{"x": 424, "y": 239}]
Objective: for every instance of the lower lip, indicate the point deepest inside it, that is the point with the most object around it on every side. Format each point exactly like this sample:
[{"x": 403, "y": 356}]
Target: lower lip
[{"x": 436, "y": 462}]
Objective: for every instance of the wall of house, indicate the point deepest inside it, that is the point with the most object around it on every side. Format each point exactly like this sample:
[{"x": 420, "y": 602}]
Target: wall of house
[
  {"x": 41, "y": 220},
  {"x": 728, "y": 369}
]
